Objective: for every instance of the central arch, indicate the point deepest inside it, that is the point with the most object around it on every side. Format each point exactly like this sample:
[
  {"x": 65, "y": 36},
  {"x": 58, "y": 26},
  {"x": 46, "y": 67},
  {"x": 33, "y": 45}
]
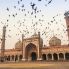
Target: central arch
[{"x": 31, "y": 52}]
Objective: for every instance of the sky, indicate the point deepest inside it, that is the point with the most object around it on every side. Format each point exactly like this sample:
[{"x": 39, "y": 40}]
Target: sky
[{"x": 20, "y": 18}]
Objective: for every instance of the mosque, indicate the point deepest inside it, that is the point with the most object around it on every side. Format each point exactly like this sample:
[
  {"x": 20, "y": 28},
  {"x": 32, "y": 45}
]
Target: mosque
[{"x": 32, "y": 49}]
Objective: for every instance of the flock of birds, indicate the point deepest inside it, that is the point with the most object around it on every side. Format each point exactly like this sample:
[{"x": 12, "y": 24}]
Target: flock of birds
[{"x": 21, "y": 25}]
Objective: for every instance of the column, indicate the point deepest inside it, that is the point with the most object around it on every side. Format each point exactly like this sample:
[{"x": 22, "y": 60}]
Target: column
[
  {"x": 14, "y": 58},
  {"x": 18, "y": 57},
  {"x": 64, "y": 56},
  {"x": 52, "y": 57},
  {"x": 23, "y": 59},
  {"x": 38, "y": 57},
  {"x": 38, "y": 54},
  {"x": 10, "y": 58},
  {"x": 46, "y": 57},
  {"x": 58, "y": 56}
]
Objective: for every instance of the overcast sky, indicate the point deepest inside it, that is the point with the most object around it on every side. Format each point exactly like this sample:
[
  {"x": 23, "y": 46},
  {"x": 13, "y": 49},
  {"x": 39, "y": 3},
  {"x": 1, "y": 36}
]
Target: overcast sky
[{"x": 21, "y": 18}]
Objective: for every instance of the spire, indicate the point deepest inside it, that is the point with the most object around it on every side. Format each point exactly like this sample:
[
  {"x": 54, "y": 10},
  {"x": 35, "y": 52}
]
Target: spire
[
  {"x": 67, "y": 23},
  {"x": 3, "y": 43}
]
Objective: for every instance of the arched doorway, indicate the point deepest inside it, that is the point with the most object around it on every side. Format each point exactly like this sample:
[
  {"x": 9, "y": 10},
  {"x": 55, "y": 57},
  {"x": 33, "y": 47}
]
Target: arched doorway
[
  {"x": 20, "y": 57},
  {"x": 30, "y": 52},
  {"x": 55, "y": 56},
  {"x": 67, "y": 56},
  {"x": 61, "y": 56},
  {"x": 49, "y": 57},
  {"x": 16, "y": 57},
  {"x": 12, "y": 57},
  {"x": 33, "y": 56},
  {"x": 5, "y": 58},
  {"x": 8, "y": 58},
  {"x": 44, "y": 57}
]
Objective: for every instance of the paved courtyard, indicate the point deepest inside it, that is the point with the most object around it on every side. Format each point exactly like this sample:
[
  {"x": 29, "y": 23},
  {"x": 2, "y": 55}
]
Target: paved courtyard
[{"x": 35, "y": 65}]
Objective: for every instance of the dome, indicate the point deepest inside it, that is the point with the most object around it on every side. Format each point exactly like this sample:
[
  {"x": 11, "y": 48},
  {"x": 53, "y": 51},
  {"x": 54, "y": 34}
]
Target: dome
[
  {"x": 54, "y": 41},
  {"x": 18, "y": 45},
  {"x": 35, "y": 35}
]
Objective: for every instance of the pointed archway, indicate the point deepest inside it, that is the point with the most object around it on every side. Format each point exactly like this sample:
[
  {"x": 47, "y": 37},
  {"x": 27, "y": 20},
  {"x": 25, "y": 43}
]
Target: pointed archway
[
  {"x": 61, "y": 56},
  {"x": 67, "y": 56},
  {"x": 55, "y": 56},
  {"x": 31, "y": 52},
  {"x": 49, "y": 56},
  {"x": 44, "y": 57}
]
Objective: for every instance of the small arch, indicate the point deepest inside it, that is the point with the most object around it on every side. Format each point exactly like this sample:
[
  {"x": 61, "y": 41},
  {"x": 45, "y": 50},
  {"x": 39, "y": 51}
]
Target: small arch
[
  {"x": 20, "y": 57},
  {"x": 49, "y": 57},
  {"x": 5, "y": 58},
  {"x": 43, "y": 56},
  {"x": 55, "y": 56},
  {"x": 67, "y": 56},
  {"x": 12, "y": 57},
  {"x": 8, "y": 58},
  {"x": 61, "y": 56},
  {"x": 16, "y": 57}
]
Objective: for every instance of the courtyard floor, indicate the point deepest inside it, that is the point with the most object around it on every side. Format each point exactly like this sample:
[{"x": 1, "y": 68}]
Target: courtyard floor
[{"x": 34, "y": 65}]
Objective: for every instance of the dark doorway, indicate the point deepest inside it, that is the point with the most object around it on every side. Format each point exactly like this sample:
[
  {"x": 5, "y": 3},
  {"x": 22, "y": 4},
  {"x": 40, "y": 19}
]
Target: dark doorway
[
  {"x": 33, "y": 56},
  {"x": 61, "y": 56},
  {"x": 16, "y": 58},
  {"x": 49, "y": 57},
  {"x": 67, "y": 56},
  {"x": 55, "y": 56},
  {"x": 12, "y": 57},
  {"x": 20, "y": 57},
  {"x": 44, "y": 56},
  {"x": 8, "y": 58}
]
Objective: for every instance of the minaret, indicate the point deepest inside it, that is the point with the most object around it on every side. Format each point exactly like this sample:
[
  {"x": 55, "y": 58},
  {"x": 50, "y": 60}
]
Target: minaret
[
  {"x": 67, "y": 23},
  {"x": 3, "y": 43}
]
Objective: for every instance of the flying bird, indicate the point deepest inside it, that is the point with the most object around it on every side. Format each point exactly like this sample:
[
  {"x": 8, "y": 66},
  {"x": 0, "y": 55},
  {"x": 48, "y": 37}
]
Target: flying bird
[
  {"x": 33, "y": 5},
  {"x": 49, "y": 1},
  {"x": 7, "y": 9}
]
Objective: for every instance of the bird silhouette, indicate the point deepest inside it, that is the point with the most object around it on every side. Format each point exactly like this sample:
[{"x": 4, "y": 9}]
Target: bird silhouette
[
  {"x": 49, "y": 1},
  {"x": 39, "y": 0},
  {"x": 33, "y": 5},
  {"x": 7, "y": 9}
]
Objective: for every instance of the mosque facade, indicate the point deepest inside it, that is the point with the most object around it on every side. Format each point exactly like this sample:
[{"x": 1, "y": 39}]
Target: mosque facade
[{"x": 32, "y": 49}]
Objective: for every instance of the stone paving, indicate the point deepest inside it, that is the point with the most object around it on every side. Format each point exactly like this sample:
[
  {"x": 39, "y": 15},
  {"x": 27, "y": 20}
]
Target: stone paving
[{"x": 35, "y": 65}]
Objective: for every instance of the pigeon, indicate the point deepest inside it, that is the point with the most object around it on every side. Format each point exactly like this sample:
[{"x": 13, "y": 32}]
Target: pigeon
[
  {"x": 49, "y": 1},
  {"x": 7, "y": 9},
  {"x": 33, "y": 5}
]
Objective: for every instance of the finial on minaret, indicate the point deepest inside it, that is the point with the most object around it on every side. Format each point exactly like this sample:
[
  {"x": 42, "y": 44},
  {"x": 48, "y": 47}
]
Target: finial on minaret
[
  {"x": 3, "y": 43},
  {"x": 39, "y": 33}
]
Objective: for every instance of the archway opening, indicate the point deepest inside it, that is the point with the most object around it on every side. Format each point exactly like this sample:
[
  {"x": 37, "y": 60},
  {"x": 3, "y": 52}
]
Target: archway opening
[
  {"x": 12, "y": 57},
  {"x": 30, "y": 51},
  {"x": 20, "y": 57},
  {"x": 5, "y": 58},
  {"x": 67, "y": 56},
  {"x": 8, "y": 58},
  {"x": 55, "y": 56},
  {"x": 49, "y": 57},
  {"x": 44, "y": 56},
  {"x": 16, "y": 58},
  {"x": 33, "y": 56},
  {"x": 61, "y": 56}
]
